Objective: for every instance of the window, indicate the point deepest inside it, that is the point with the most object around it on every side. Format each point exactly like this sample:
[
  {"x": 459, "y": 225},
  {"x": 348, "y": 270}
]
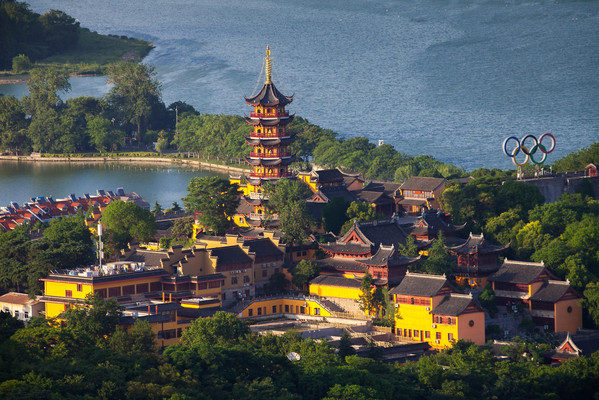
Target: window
[
  {"x": 438, "y": 335},
  {"x": 416, "y": 333},
  {"x": 246, "y": 279},
  {"x": 26, "y": 314},
  {"x": 569, "y": 309},
  {"x": 259, "y": 310},
  {"x": 234, "y": 280},
  {"x": 450, "y": 336},
  {"x": 274, "y": 309},
  {"x": 250, "y": 312},
  {"x": 449, "y": 320},
  {"x": 68, "y": 293},
  {"x": 427, "y": 334},
  {"x": 287, "y": 308},
  {"x": 17, "y": 314},
  {"x": 114, "y": 291},
  {"x": 79, "y": 287},
  {"x": 471, "y": 323},
  {"x": 316, "y": 311},
  {"x": 212, "y": 285}
]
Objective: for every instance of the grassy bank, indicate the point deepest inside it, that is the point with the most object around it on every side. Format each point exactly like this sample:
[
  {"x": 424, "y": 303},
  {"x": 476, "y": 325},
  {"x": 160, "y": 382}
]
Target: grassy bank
[{"x": 91, "y": 55}]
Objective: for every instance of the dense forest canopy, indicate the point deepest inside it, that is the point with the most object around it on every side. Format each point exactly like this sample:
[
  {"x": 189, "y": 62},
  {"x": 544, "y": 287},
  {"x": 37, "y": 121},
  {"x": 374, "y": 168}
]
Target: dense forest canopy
[
  {"x": 91, "y": 357},
  {"x": 36, "y": 36}
]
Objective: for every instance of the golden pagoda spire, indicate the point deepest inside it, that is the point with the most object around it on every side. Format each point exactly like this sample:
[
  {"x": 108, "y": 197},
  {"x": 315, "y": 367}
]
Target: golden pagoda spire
[{"x": 268, "y": 67}]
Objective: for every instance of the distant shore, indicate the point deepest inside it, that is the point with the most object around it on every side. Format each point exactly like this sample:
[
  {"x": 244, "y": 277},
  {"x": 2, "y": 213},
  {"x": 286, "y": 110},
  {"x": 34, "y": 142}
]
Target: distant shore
[{"x": 132, "y": 160}]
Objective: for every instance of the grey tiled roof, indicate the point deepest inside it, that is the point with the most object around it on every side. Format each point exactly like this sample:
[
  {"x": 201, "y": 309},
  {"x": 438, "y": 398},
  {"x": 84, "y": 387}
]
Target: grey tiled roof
[
  {"x": 378, "y": 198},
  {"x": 420, "y": 285},
  {"x": 347, "y": 248},
  {"x": 388, "y": 188},
  {"x": 230, "y": 255},
  {"x": 422, "y": 183},
  {"x": 518, "y": 272},
  {"x": 150, "y": 257},
  {"x": 263, "y": 247},
  {"x": 387, "y": 255},
  {"x": 387, "y": 232},
  {"x": 551, "y": 291},
  {"x": 338, "y": 191},
  {"x": 454, "y": 305},
  {"x": 340, "y": 264},
  {"x": 329, "y": 175},
  {"x": 332, "y": 280}
]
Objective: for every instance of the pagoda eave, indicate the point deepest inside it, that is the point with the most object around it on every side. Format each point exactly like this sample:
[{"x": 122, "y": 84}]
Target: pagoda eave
[{"x": 269, "y": 121}]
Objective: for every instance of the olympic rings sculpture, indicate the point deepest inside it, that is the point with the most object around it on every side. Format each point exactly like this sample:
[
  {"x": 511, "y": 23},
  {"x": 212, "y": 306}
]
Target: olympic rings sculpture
[{"x": 529, "y": 152}]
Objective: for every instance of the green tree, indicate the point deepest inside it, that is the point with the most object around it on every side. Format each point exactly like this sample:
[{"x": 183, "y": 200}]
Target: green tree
[
  {"x": 134, "y": 93},
  {"x": 591, "y": 301},
  {"x": 286, "y": 200},
  {"x": 157, "y": 208},
  {"x": 359, "y": 211},
  {"x": 439, "y": 261},
  {"x": 222, "y": 329},
  {"x": 333, "y": 214},
  {"x": 102, "y": 135},
  {"x": 124, "y": 221},
  {"x": 215, "y": 200},
  {"x": 487, "y": 299},
  {"x": 61, "y": 31},
  {"x": 345, "y": 347},
  {"x": 96, "y": 319},
  {"x": 303, "y": 272},
  {"x": 367, "y": 301},
  {"x": 409, "y": 249},
  {"x": 183, "y": 227},
  {"x": 71, "y": 241},
  {"x": 13, "y": 133},
  {"x": 20, "y": 64}
]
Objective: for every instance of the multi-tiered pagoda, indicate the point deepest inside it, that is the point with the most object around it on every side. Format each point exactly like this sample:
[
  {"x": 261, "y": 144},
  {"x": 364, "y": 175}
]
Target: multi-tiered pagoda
[{"x": 270, "y": 139}]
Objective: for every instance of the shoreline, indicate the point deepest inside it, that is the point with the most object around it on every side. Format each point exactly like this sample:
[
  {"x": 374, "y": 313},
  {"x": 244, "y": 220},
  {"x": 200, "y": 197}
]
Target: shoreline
[
  {"x": 16, "y": 81},
  {"x": 131, "y": 160}
]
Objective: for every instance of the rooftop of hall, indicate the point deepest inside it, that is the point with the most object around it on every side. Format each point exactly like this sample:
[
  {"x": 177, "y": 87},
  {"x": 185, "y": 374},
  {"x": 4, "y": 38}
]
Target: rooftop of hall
[
  {"x": 423, "y": 183},
  {"x": 423, "y": 285},
  {"x": 522, "y": 272},
  {"x": 455, "y": 304}
]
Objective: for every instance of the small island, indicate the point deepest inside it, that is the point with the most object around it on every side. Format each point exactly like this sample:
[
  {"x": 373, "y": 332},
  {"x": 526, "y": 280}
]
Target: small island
[{"x": 56, "y": 40}]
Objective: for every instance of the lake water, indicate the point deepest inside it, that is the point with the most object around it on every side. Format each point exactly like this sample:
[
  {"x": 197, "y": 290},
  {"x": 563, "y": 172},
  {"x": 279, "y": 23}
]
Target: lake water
[
  {"x": 446, "y": 78},
  {"x": 19, "y": 181}
]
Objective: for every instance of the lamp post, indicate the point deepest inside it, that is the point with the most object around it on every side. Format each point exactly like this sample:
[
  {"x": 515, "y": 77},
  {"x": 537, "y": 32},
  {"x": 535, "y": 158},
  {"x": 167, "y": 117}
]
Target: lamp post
[{"x": 100, "y": 244}]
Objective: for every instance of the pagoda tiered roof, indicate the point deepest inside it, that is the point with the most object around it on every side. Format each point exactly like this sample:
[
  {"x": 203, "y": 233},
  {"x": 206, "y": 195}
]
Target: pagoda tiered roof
[
  {"x": 477, "y": 244},
  {"x": 270, "y": 121},
  {"x": 269, "y": 95}
]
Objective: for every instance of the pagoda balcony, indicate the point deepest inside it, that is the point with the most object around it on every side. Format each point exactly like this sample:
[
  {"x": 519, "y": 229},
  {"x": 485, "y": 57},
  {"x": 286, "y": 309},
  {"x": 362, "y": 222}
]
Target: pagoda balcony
[
  {"x": 271, "y": 155},
  {"x": 256, "y": 196},
  {"x": 270, "y": 175},
  {"x": 279, "y": 114},
  {"x": 256, "y": 216},
  {"x": 268, "y": 135}
]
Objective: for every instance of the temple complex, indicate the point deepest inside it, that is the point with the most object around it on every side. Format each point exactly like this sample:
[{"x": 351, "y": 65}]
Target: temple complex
[{"x": 270, "y": 155}]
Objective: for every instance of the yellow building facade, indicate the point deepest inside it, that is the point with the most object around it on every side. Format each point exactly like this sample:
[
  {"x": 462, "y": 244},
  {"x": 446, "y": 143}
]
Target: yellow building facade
[{"x": 283, "y": 305}]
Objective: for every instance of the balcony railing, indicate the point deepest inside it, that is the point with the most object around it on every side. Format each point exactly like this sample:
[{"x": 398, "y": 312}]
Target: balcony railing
[
  {"x": 256, "y": 196},
  {"x": 268, "y": 135},
  {"x": 279, "y": 114},
  {"x": 511, "y": 294},
  {"x": 271, "y": 155},
  {"x": 256, "y": 216},
  {"x": 269, "y": 175}
]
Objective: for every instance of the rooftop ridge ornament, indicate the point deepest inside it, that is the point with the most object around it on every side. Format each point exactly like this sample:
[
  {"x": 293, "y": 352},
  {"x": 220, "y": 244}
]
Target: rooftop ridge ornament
[{"x": 268, "y": 66}]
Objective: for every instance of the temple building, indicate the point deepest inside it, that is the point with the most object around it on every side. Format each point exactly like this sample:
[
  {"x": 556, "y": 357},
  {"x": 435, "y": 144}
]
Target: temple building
[
  {"x": 552, "y": 303},
  {"x": 430, "y": 223},
  {"x": 477, "y": 259},
  {"x": 270, "y": 155},
  {"x": 430, "y": 310}
]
